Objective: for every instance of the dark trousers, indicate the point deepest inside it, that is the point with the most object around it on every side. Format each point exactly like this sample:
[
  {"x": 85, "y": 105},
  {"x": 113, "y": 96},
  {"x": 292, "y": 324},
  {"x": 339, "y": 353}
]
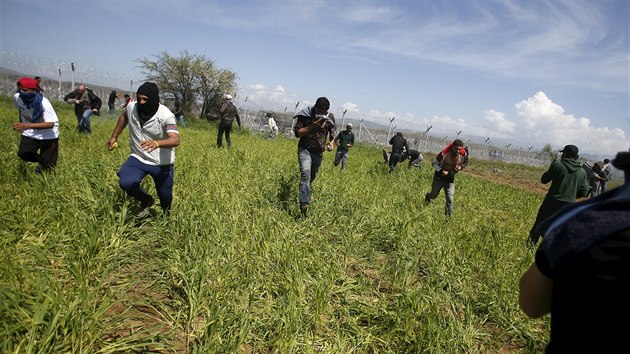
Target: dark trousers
[
  {"x": 224, "y": 128},
  {"x": 43, "y": 151},
  {"x": 133, "y": 171}
]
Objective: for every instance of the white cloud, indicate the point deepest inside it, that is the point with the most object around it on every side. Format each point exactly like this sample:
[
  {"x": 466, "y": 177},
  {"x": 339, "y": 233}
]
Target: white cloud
[
  {"x": 498, "y": 120},
  {"x": 546, "y": 122}
]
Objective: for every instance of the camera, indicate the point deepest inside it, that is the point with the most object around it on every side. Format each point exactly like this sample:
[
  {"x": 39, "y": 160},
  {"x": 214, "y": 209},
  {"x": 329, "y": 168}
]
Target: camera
[{"x": 328, "y": 122}]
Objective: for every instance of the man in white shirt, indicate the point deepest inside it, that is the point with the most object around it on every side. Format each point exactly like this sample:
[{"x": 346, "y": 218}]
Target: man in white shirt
[
  {"x": 153, "y": 136},
  {"x": 38, "y": 124}
]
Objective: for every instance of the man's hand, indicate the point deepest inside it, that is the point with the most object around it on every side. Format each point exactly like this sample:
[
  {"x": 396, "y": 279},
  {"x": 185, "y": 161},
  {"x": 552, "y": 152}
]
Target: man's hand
[
  {"x": 149, "y": 145},
  {"x": 20, "y": 127}
]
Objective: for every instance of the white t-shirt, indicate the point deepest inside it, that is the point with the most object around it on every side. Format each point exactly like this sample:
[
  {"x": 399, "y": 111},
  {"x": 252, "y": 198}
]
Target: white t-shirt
[
  {"x": 156, "y": 128},
  {"x": 49, "y": 116}
]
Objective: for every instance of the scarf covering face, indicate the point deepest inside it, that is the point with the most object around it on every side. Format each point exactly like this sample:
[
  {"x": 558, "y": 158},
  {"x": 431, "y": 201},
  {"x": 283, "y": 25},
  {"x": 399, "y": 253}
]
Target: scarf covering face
[
  {"x": 148, "y": 109},
  {"x": 33, "y": 100}
]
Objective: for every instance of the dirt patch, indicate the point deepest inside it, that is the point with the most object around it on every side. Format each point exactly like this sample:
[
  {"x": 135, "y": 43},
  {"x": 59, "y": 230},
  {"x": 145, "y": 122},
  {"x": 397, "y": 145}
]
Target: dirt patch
[{"x": 508, "y": 179}]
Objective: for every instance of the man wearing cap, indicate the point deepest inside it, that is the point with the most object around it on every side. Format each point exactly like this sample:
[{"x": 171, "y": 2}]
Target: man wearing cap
[
  {"x": 568, "y": 182},
  {"x": 38, "y": 125},
  {"x": 344, "y": 141},
  {"x": 153, "y": 136},
  {"x": 85, "y": 103},
  {"x": 228, "y": 113},
  {"x": 313, "y": 126}
]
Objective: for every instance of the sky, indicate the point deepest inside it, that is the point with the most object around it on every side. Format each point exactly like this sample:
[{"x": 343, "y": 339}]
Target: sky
[{"x": 527, "y": 73}]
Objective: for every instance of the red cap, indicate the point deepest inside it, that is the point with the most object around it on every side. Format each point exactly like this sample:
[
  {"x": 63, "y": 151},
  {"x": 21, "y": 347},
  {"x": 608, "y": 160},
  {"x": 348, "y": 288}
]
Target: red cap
[{"x": 28, "y": 83}]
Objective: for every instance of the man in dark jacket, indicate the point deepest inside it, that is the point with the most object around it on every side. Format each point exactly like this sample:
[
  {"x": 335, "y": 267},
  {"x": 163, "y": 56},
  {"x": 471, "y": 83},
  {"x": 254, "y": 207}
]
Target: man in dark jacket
[
  {"x": 228, "y": 113},
  {"x": 568, "y": 182},
  {"x": 399, "y": 144},
  {"x": 414, "y": 156},
  {"x": 452, "y": 159},
  {"x": 314, "y": 125},
  {"x": 85, "y": 103}
]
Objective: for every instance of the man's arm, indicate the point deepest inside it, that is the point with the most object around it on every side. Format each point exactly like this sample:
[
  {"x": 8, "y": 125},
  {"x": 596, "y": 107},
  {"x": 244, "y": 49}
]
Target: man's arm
[
  {"x": 302, "y": 130},
  {"x": 20, "y": 127},
  {"x": 547, "y": 176},
  {"x": 238, "y": 118},
  {"x": 535, "y": 292}
]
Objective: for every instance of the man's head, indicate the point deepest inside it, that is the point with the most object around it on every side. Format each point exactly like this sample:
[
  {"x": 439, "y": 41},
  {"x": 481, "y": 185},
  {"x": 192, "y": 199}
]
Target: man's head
[
  {"x": 27, "y": 84},
  {"x": 399, "y": 134},
  {"x": 81, "y": 88},
  {"x": 458, "y": 147},
  {"x": 570, "y": 152},
  {"x": 148, "y": 96},
  {"x": 126, "y": 95},
  {"x": 227, "y": 97},
  {"x": 349, "y": 126},
  {"x": 321, "y": 105},
  {"x": 606, "y": 161}
]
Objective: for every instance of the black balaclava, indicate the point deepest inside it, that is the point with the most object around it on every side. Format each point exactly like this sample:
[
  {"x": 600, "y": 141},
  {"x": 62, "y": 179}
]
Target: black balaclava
[{"x": 150, "y": 107}]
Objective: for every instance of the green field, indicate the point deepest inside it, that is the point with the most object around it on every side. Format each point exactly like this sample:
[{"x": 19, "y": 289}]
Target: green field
[{"x": 232, "y": 269}]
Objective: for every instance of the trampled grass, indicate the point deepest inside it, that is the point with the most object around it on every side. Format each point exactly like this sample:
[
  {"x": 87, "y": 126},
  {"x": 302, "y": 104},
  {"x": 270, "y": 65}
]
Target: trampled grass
[{"x": 233, "y": 269}]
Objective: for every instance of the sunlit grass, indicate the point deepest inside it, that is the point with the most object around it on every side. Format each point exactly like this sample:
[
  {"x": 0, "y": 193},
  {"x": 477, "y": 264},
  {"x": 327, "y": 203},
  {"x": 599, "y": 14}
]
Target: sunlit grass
[{"x": 233, "y": 268}]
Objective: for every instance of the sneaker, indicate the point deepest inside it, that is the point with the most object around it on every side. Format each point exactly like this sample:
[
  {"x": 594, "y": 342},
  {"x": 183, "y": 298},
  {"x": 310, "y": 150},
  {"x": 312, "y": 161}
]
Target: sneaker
[
  {"x": 304, "y": 210},
  {"x": 39, "y": 169},
  {"x": 145, "y": 208}
]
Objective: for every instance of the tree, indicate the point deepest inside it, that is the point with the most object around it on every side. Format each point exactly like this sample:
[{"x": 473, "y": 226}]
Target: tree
[
  {"x": 190, "y": 79},
  {"x": 548, "y": 152}
]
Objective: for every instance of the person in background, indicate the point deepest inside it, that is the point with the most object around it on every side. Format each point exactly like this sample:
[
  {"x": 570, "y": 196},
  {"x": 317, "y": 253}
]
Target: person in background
[
  {"x": 128, "y": 99},
  {"x": 272, "y": 126},
  {"x": 39, "y": 126},
  {"x": 179, "y": 113},
  {"x": 228, "y": 113},
  {"x": 111, "y": 101},
  {"x": 344, "y": 141},
  {"x": 313, "y": 126},
  {"x": 153, "y": 136},
  {"x": 568, "y": 182},
  {"x": 452, "y": 159},
  {"x": 606, "y": 169},
  {"x": 581, "y": 273},
  {"x": 85, "y": 103},
  {"x": 414, "y": 156},
  {"x": 399, "y": 144}
]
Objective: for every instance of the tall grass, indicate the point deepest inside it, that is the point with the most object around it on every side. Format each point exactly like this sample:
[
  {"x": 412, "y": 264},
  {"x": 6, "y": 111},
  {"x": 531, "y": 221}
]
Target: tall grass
[{"x": 234, "y": 269}]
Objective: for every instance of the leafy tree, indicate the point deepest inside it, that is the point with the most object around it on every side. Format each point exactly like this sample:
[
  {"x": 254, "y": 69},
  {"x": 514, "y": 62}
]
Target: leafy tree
[
  {"x": 548, "y": 152},
  {"x": 190, "y": 79}
]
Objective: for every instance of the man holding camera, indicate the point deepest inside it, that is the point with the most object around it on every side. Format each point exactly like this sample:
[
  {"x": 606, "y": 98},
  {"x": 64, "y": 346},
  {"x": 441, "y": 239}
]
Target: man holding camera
[{"x": 313, "y": 126}]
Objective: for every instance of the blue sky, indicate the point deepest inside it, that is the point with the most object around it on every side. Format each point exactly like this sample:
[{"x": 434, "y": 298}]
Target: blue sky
[{"x": 524, "y": 72}]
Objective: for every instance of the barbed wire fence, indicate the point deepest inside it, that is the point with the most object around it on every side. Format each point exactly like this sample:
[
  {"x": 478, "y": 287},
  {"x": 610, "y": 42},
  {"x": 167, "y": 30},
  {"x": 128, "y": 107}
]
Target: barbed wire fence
[{"x": 59, "y": 79}]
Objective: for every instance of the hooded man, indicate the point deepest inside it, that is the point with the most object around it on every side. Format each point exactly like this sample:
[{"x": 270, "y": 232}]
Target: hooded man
[
  {"x": 153, "y": 136},
  {"x": 38, "y": 125},
  {"x": 568, "y": 182}
]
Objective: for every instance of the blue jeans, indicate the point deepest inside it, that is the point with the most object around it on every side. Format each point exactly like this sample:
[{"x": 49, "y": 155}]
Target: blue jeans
[
  {"x": 449, "y": 194},
  {"x": 133, "y": 171},
  {"x": 309, "y": 165},
  {"x": 341, "y": 156},
  {"x": 84, "y": 121}
]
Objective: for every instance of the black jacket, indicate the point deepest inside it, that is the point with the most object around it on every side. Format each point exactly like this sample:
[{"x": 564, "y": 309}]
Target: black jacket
[{"x": 93, "y": 102}]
